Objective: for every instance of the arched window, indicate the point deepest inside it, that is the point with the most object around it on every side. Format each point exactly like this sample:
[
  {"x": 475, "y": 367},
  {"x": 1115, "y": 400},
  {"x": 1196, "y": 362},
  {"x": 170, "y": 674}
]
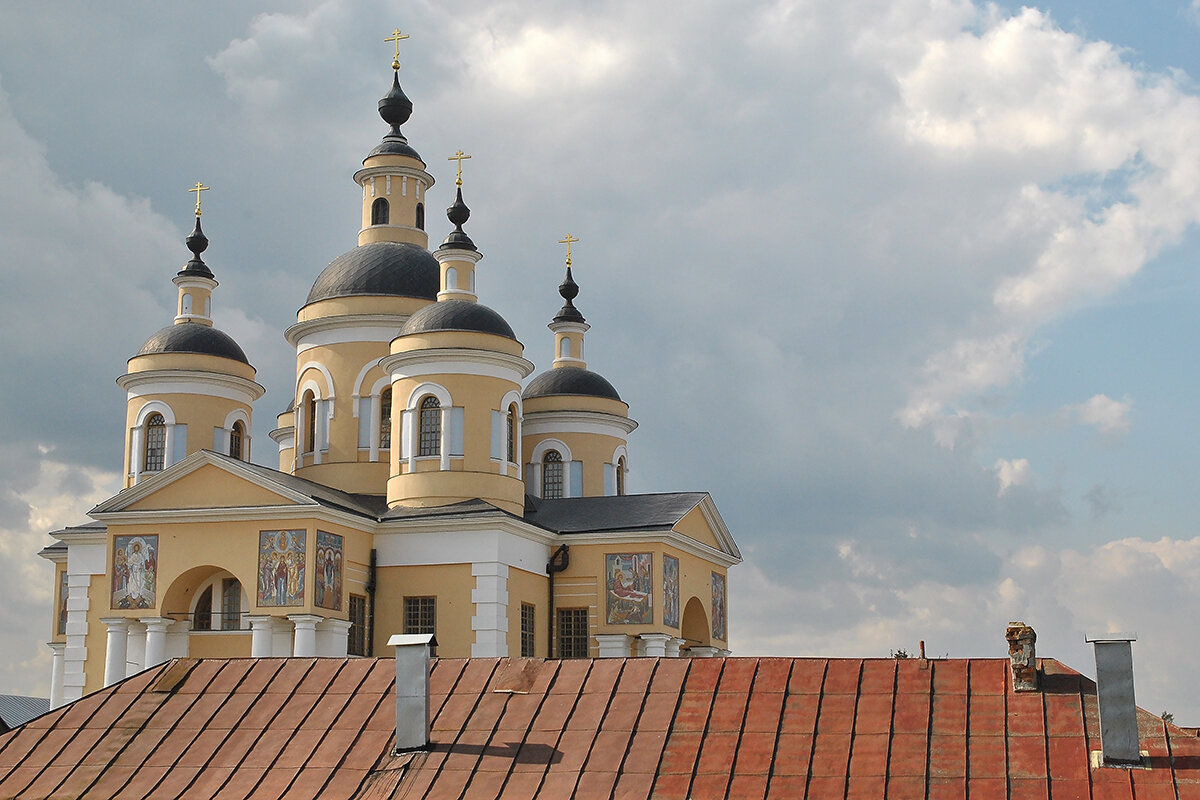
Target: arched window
[
  {"x": 202, "y": 616},
  {"x": 309, "y": 404},
  {"x": 379, "y": 212},
  {"x": 510, "y": 427},
  {"x": 156, "y": 443},
  {"x": 552, "y": 475},
  {"x": 236, "y": 435},
  {"x": 187, "y": 304},
  {"x": 564, "y": 350},
  {"x": 621, "y": 475},
  {"x": 431, "y": 427},
  {"x": 451, "y": 278},
  {"x": 420, "y": 217},
  {"x": 385, "y": 419}
]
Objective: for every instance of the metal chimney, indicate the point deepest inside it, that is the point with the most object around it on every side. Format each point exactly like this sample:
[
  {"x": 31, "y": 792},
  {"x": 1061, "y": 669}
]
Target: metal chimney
[
  {"x": 412, "y": 689},
  {"x": 1114, "y": 691}
]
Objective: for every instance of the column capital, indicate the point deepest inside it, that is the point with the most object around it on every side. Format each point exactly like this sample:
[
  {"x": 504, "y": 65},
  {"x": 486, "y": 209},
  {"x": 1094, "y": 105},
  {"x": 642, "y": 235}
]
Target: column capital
[
  {"x": 613, "y": 645},
  {"x": 57, "y": 648},
  {"x": 116, "y": 623},
  {"x": 260, "y": 621},
  {"x": 305, "y": 620},
  {"x": 156, "y": 624},
  {"x": 336, "y": 624}
]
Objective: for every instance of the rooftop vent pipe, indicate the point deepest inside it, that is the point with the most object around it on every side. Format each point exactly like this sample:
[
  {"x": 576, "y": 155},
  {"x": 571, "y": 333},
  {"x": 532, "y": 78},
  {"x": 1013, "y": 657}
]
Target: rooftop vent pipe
[
  {"x": 1114, "y": 691},
  {"x": 412, "y": 689}
]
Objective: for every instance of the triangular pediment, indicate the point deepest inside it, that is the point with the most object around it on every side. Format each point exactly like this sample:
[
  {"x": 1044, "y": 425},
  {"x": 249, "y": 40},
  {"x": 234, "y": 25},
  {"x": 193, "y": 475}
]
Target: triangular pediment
[
  {"x": 203, "y": 481},
  {"x": 704, "y": 524}
]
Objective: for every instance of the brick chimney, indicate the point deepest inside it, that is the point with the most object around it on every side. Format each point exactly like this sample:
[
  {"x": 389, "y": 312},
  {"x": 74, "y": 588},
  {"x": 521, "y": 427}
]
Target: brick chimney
[{"x": 1022, "y": 656}]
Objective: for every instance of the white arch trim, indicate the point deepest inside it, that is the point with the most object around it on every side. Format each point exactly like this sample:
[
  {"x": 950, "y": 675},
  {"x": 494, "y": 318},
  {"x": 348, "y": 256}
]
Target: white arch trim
[
  {"x": 362, "y": 376},
  {"x": 155, "y": 406},
  {"x": 236, "y": 415},
  {"x": 539, "y": 452},
  {"x": 319, "y": 367},
  {"x": 620, "y": 453},
  {"x": 424, "y": 389}
]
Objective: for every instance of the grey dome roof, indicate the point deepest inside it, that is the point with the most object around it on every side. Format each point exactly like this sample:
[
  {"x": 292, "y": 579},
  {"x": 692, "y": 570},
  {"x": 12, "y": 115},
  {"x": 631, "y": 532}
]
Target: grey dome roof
[
  {"x": 381, "y": 268},
  {"x": 192, "y": 337},
  {"x": 570, "y": 380},
  {"x": 457, "y": 315}
]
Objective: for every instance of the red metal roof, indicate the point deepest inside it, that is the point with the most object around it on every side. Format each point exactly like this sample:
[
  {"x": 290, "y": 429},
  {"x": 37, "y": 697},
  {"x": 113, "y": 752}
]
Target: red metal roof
[{"x": 619, "y": 728}]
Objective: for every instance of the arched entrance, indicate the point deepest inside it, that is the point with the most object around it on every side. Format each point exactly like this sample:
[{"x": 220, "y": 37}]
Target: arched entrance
[{"x": 695, "y": 629}]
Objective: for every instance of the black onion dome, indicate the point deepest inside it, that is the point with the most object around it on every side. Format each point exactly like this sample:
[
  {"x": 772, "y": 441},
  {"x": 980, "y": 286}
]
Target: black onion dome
[
  {"x": 382, "y": 268},
  {"x": 569, "y": 290},
  {"x": 457, "y": 315},
  {"x": 197, "y": 242},
  {"x": 458, "y": 214},
  {"x": 192, "y": 337},
  {"x": 570, "y": 380},
  {"x": 395, "y": 108}
]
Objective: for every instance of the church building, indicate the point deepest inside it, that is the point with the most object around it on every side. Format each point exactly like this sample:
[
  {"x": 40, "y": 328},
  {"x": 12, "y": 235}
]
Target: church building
[{"x": 424, "y": 484}]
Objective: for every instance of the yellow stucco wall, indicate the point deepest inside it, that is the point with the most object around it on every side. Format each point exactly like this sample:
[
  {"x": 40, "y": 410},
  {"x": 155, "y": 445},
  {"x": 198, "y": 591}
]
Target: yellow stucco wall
[
  {"x": 210, "y": 487},
  {"x": 219, "y": 645},
  {"x": 99, "y": 594},
  {"x": 527, "y": 587},
  {"x": 451, "y": 584}
]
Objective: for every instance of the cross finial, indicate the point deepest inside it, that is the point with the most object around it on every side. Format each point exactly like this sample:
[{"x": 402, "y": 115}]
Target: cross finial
[
  {"x": 395, "y": 38},
  {"x": 568, "y": 242},
  {"x": 459, "y": 157},
  {"x": 198, "y": 188}
]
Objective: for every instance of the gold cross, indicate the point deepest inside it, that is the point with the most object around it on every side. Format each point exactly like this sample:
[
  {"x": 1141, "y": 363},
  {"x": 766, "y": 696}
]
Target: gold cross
[
  {"x": 567, "y": 241},
  {"x": 459, "y": 156},
  {"x": 396, "y": 37},
  {"x": 198, "y": 188}
]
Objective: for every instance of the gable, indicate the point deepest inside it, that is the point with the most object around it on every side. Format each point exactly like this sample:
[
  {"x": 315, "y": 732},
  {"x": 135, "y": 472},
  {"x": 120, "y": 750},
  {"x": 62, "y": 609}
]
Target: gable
[
  {"x": 694, "y": 525},
  {"x": 209, "y": 487}
]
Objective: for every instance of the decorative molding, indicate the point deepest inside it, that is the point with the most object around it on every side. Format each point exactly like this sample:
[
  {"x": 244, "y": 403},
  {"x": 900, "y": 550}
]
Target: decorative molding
[
  {"x": 187, "y": 381},
  {"x": 565, "y": 421},
  {"x": 457, "y": 361}
]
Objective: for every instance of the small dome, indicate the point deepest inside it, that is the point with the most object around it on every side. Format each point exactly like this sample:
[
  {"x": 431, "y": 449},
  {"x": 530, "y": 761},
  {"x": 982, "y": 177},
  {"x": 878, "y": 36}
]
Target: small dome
[
  {"x": 570, "y": 380},
  {"x": 457, "y": 315},
  {"x": 191, "y": 337},
  {"x": 381, "y": 268}
]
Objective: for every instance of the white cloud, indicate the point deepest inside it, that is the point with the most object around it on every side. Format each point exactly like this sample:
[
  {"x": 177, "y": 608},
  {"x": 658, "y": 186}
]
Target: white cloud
[
  {"x": 1012, "y": 473},
  {"x": 1109, "y": 417}
]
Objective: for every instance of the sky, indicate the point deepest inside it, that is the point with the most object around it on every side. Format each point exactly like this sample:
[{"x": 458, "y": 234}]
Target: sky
[{"x": 908, "y": 285}]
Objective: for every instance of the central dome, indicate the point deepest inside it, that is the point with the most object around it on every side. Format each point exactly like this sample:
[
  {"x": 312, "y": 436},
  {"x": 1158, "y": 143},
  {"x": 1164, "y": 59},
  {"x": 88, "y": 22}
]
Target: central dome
[
  {"x": 457, "y": 315},
  {"x": 382, "y": 268},
  {"x": 190, "y": 337}
]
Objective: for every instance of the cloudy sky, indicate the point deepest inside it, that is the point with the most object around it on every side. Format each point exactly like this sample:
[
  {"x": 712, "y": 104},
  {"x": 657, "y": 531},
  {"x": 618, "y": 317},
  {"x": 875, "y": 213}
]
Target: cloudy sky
[{"x": 908, "y": 285}]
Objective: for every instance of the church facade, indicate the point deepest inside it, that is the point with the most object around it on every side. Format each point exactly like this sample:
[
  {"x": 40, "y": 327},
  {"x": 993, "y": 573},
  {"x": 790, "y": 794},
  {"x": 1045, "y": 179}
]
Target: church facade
[{"x": 425, "y": 484}]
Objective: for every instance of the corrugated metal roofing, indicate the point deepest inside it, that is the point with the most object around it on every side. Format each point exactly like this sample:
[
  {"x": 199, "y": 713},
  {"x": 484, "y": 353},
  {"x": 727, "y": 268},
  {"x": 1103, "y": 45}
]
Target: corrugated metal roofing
[
  {"x": 17, "y": 709},
  {"x": 613, "y": 728}
]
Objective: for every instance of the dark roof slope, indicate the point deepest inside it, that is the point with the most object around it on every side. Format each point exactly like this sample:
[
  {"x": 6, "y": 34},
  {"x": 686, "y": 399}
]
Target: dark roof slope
[
  {"x": 570, "y": 380},
  {"x": 457, "y": 315},
  {"x": 367, "y": 505},
  {"x": 192, "y": 337},
  {"x": 629, "y": 728},
  {"x": 623, "y": 512},
  {"x": 381, "y": 268}
]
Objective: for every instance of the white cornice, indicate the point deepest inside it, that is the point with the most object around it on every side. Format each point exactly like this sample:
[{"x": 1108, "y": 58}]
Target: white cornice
[
  {"x": 708, "y": 507},
  {"x": 456, "y": 361},
  {"x": 569, "y": 326},
  {"x": 537, "y": 423},
  {"x": 311, "y": 510},
  {"x": 672, "y": 537},
  {"x": 446, "y": 254},
  {"x": 506, "y": 524},
  {"x": 187, "y": 381},
  {"x": 352, "y": 325},
  {"x": 383, "y": 170}
]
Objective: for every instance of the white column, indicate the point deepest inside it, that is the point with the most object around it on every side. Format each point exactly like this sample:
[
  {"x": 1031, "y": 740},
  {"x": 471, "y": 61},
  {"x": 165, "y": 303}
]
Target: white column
[
  {"x": 703, "y": 652},
  {"x": 447, "y": 420},
  {"x": 673, "y": 645},
  {"x": 178, "y": 643},
  {"x": 613, "y": 645},
  {"x": 281, "y": 639},
  {"x": 376, "y": 421},
  {"x": 490, "y": 621},
  {"x": 116, "y": 649},
  {"x": 135, "y": 648},
  {"x": 262, "y": 629},
  {"x": 333, "y": 638},
  {"x": 655, "y": 644},
  {"x": 156, "y": 640},
  {"x": 305, "y": 642},
  {"x": 57, "y": 651}
]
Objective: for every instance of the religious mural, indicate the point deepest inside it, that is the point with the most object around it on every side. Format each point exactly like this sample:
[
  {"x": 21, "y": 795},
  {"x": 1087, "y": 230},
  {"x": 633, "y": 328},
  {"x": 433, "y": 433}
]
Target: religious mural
[
  {"x": 134, "y": 571},
  {"x": 670, "y": 591},
  {"x": 630, "y": 594},
  {"x": 62, "y": 604},
  {"x": 718, "y": 606},
  {"x": 327, "y": 588},
  {"x": 281, "y": 566}
]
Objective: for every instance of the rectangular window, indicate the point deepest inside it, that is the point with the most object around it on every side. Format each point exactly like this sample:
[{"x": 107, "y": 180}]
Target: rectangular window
[
  {"x": 572, "y": 633},
  {"x": 356, "y": 643},
  {"x": 420, "y": 616},
  {"x": 527, "y": 621},
  {"x": 231, "y": 604}
]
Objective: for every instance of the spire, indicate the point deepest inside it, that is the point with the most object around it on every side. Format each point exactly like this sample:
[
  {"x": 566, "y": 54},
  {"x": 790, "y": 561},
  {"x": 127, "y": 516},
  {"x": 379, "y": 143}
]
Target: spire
[
  {"x": 395, "y": 108},
  {"x": 568, "y": 288},
  {"x": 458, "y": 213},
  {"x": 196, "y": 241}
]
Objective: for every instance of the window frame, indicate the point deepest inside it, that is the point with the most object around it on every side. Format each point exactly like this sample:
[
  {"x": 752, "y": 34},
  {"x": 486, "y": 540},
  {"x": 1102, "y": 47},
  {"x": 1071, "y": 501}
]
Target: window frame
[
  {"x": 553, "y": 489},
  {"x": 154, "y": 449},
  {"x": 429, "y": 427},
  {"x": 570, "y": 642},
  {"x": 356, "y": 637},
  {"x": 528, "y": 630}
]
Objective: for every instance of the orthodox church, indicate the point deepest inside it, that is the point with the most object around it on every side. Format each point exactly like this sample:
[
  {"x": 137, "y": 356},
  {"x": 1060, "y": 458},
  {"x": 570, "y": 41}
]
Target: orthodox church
[{"x": 424, "y": 485}]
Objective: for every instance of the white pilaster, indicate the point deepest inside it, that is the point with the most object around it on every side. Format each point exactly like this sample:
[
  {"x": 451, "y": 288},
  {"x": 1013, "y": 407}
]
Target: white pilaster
[
  {"x": 655, "y": 644},
  {"x": 490, "y": 622},
  {"x": 281, "y": 639},
  {"x": 56, "y": 672},
  {"x": 116, "y": 649},
  {"x": 156, "y": 640},
  {"x": 304, "y": 645},
  {"x": 262, "y": 630},
  {"x": 135, "y": 648},
  {"x": 75, "y": 652},
  {"x": 333, "y": 638},
  {"x": 447, "y": 421},
  {"x": 613, "y": 645}
]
